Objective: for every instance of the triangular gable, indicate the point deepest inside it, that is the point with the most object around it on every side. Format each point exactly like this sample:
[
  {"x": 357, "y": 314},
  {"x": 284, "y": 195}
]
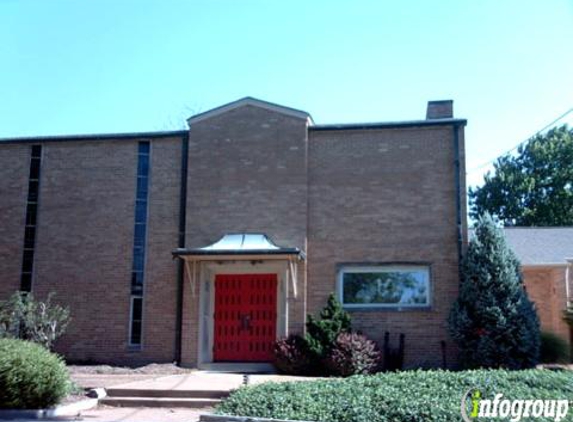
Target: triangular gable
[{"x": 250, "y": 101}]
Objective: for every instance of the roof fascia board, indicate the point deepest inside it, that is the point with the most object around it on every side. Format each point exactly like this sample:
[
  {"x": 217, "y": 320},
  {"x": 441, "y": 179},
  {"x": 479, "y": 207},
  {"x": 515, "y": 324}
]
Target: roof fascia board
[
  {"x": 388, "y": 125},
  {"x": 95, "y": 137}
]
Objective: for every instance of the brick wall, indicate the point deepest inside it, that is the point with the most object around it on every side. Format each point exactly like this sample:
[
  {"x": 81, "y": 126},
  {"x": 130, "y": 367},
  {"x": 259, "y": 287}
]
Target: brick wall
[
  {"x": 85, "y": 239},
  {"x": 546, "y": 288},
  {"x": 83, "y": 244},
  {"x": 383, "y": 196},
  {"x": 160, "y": 300},
  {"x": 14, "y": 168}
]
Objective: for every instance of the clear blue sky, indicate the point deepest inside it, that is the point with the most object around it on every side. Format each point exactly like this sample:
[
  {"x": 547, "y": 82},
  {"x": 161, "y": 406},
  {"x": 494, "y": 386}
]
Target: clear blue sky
[{"x": 138, "y": 65}]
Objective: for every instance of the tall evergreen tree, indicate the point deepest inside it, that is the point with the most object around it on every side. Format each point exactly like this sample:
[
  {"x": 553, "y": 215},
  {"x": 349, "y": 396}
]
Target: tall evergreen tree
[{"x": 493, "y": 321}]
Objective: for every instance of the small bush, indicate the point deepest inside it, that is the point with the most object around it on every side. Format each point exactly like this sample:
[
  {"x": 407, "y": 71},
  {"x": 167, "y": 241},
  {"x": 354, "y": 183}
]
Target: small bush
[
  {"x": 413, "y": 396},
  {"x": 553, "y": 349},
  {"x": 25, "y": 318},
  {"x": 292, "y": 356},
  {"x": 353, "y": 354},
  {"x": 30, "y": 376},
  {"x": 322, "y": 332}
]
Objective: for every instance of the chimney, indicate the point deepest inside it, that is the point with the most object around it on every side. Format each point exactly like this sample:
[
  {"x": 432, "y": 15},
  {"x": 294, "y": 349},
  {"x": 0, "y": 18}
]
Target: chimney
[{"x": 443, "y": 109}]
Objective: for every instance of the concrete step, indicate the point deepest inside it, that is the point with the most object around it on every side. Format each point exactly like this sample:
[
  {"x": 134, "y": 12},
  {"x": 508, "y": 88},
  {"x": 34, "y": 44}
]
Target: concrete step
[
  {"x": 166, "y": 393},
  {"x": 159, "y": 402}
]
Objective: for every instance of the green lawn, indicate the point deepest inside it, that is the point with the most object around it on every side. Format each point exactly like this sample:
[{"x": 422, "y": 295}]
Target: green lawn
[{"x": 404, "y": 396}]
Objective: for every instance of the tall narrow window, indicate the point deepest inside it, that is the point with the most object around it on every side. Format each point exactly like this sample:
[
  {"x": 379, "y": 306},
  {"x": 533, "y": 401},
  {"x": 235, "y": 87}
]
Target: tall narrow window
[
  {"x": 139, "y": 240},
  {"x": 136, "y": 319},
  {"x": 31, "y": 218}
]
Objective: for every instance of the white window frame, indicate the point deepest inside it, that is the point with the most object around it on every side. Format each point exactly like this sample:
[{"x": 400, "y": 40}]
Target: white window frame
[{"x": 388, "y": 269}]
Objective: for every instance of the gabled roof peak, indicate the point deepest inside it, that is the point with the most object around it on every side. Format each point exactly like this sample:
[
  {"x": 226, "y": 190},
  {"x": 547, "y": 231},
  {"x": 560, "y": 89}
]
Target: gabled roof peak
[{"x": 249, "y": 101}]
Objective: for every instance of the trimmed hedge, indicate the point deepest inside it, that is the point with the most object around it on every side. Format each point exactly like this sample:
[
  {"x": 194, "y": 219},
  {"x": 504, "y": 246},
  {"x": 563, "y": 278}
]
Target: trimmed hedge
[
  {"x": 412, "y": 396},
  {"x": 30, "y": 376}
]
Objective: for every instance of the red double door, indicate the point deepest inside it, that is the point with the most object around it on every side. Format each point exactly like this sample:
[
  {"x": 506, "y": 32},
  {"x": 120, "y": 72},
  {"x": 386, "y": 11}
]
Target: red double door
[{"x": 245, "y": 317}]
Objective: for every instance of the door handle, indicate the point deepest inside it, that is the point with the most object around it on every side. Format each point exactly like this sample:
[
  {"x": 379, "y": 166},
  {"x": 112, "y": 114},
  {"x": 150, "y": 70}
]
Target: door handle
[{"x": 245, "y": 322}]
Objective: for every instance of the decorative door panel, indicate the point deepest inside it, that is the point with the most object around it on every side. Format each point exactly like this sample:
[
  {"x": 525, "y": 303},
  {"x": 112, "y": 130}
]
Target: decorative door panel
[{"x": 245, "y": 317}]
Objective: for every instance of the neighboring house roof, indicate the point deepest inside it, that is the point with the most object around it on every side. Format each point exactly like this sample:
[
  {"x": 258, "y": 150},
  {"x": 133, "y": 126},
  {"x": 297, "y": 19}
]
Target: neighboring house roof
[
  {"x": 538, "y": 246},
  {"x": 541, "y": 245}
]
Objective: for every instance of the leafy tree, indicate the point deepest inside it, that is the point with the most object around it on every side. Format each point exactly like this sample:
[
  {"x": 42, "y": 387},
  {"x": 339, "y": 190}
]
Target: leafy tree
[
  {"x": 321, "y": 333},
  {"x": 493, "y": 321},
  {"x": 25, "y": 318},
  {"x": 532, "y": 188}
]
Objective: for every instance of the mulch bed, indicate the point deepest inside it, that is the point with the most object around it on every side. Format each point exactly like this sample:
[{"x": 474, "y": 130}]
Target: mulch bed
[
  {"x": 96, "y": 376},
  {"x": 151, "y": 369}
]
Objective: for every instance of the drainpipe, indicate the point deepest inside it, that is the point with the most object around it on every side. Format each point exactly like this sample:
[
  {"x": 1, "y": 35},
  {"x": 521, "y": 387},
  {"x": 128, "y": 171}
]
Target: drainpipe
[
  {"x": 568, "y": 302},
  {"x": 181, "y": 244},
  {"x": 567, "y": 278},
  {"x": 457, "y": 176}
]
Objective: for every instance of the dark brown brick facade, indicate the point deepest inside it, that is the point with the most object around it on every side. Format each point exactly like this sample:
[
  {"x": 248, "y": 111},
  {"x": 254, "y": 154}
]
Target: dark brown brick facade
[{"x": 375, "y": 195}]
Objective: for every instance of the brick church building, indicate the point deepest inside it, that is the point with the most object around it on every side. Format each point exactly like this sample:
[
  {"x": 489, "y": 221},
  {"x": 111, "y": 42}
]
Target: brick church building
[{"x": 205, "y": 245}]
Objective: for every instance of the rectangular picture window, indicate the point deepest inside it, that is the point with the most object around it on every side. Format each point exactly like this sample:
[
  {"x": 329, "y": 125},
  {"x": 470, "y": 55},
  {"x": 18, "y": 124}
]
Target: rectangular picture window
[{"x": 384, "y": 286}]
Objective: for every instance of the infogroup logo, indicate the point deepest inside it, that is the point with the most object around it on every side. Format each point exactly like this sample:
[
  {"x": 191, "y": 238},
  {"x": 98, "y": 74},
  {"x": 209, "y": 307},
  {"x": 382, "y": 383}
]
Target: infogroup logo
[{"x": 516, "y": 410}]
